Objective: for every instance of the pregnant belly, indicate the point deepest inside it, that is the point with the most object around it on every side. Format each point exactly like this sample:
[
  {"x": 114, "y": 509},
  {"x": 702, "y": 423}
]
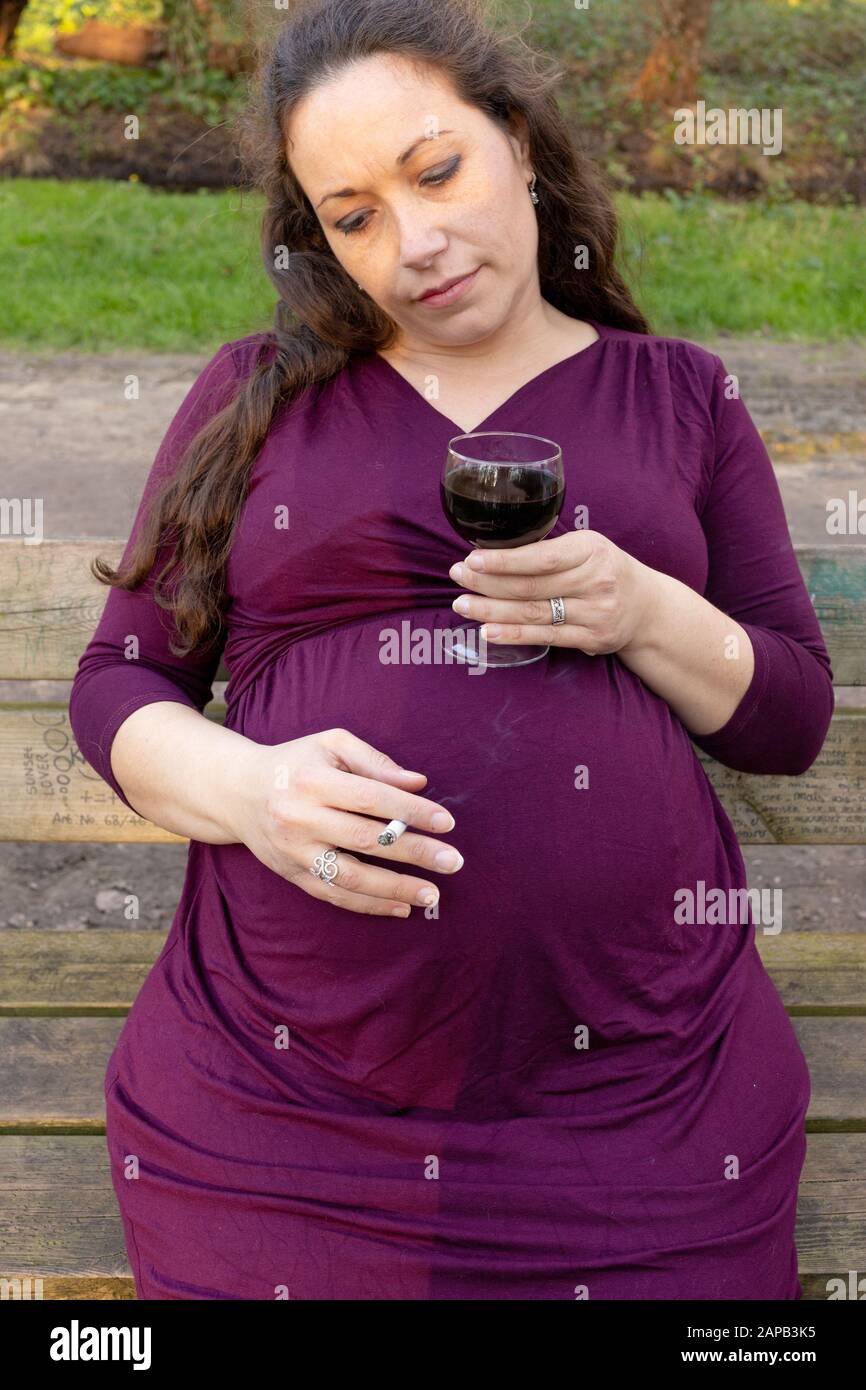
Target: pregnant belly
[
  {"x": 580, "y": 810},
  {"x": 552, "y": 979}
]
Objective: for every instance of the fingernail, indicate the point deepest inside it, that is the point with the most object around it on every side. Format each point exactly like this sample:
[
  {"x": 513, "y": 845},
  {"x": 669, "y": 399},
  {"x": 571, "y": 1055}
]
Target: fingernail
[
  {"x": 442, "y": 821},
  {"x": 449, "y": 859},
  {"x": 476, "y": 561},
  {"x": 456, "y": 572},
  {"x": 491, "y": 630},
  {"x": 461, "y": 604},
  {"x": 400, "y": 911},
  {"x": 427, "y": 897}
]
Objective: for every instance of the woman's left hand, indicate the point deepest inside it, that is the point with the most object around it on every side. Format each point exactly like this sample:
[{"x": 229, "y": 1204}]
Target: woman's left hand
[{"x": 607, "y": 593}]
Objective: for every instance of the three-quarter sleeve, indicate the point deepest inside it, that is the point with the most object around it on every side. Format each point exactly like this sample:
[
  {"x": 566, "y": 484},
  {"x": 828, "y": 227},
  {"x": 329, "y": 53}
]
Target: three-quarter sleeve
[
  {"x": 781, "y": 721},
  {"x": 128, "y": 662}
]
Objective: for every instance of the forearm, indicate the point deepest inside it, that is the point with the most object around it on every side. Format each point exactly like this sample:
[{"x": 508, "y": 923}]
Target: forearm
[
  {"x": 181, "y": 770},
  {"x": 690, "y": 653}
]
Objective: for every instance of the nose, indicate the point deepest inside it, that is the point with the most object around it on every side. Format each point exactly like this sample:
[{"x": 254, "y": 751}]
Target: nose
[{"x": 419, "y": 239}]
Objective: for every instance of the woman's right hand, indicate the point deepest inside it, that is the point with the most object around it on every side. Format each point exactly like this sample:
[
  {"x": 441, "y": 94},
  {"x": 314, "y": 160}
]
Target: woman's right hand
[{"x": 331, "y": 790}]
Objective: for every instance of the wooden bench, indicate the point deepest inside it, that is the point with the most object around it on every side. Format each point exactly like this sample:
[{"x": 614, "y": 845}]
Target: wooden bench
[{"x": 64, "y": 994}]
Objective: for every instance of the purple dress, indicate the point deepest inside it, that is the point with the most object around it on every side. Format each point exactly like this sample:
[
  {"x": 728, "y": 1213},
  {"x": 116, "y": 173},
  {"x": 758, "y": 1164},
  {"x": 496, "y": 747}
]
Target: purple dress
[{"x": 550, "y": 1086}]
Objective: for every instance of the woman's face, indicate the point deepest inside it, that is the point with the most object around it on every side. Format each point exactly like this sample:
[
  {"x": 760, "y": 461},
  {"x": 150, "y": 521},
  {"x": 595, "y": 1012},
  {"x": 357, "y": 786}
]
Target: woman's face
[{"x": 459, "y": 202}]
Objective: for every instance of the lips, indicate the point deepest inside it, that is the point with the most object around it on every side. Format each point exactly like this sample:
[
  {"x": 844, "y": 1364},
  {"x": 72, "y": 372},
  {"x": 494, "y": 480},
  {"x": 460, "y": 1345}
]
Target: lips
[{"x": 446, "y": 284}]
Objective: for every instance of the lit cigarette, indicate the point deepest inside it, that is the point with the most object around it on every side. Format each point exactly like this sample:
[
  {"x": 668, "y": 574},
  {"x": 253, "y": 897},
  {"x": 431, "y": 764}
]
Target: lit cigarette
[{"x": 393, "y": 830}]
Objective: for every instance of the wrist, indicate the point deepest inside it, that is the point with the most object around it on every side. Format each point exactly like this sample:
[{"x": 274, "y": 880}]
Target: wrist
[
  {"x": 240, "y": 785},
  {"x": 652, "y": 606}
]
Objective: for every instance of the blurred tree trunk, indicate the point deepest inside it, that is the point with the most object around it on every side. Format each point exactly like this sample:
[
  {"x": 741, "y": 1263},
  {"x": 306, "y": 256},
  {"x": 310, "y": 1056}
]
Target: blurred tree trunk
[
  {"x": 10, "y": 13},
  {"x": 670, "y": 74}
]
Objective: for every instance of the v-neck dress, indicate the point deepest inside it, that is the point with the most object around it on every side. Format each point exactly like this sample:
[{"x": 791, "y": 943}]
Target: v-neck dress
[{"x": 558, "y": 1083}]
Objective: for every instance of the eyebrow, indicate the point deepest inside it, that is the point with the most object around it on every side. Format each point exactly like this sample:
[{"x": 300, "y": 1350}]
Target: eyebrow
[{"x": 400, "y": 161}]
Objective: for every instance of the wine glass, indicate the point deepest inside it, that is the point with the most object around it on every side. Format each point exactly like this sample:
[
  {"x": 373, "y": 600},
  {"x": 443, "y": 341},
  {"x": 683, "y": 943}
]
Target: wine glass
[{"x": 500, "y": 489}]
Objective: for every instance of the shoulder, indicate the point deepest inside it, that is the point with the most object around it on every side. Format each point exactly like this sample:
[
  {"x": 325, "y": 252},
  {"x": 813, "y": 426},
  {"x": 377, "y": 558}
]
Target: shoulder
[
  {"x": 238, "y": 358},
  {"x": 254, "y": 349},
  {"x": 694, "y": 373},
  {"x": 223, "y": 373},
  {"x": 655, "y": 348},
  {"x": 243, "y": 354}
]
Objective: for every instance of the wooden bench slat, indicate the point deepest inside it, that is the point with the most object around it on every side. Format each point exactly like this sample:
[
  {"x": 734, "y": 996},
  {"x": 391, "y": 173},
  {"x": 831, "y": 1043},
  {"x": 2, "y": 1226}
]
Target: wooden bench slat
[
  {"x": 75, "y": 1287},
  {"x": 58, "y": 1211},
  {"x": 53, "y": 1072},
  {"x": 67, "y": 972},
  {"x": 835, "y": 577},
  {"x": 54, "y": 1069},
  {"x": 50, "y": 604},
  {"x": 816, "y": 972},
  {"x": 51, "y": 794},
  {"x": 823, "y": 806},
  {"x": 100, "y": 972},
  {"x": 835, "y": 1050},
  {"x": 59, "y": 1218}
]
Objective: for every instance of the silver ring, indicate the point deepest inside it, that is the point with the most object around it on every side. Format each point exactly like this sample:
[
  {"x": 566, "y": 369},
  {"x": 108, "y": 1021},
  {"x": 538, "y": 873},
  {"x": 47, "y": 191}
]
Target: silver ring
[
  {"x": 325, "y": 866},
  {"x": 558, "y": 609}
]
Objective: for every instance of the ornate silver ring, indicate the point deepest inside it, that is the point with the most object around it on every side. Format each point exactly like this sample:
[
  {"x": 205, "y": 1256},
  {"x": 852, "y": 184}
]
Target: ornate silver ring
[{"x": 325, "y": 866}]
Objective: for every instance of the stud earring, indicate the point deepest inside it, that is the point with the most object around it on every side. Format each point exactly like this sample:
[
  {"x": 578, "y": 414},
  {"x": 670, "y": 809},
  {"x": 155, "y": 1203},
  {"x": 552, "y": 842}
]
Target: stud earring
[{"x": 532, "y": 193}]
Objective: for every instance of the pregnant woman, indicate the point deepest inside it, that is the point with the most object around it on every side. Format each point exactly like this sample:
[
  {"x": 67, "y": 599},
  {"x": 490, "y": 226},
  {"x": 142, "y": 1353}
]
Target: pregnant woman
[{"x": 552, "y": 1080}]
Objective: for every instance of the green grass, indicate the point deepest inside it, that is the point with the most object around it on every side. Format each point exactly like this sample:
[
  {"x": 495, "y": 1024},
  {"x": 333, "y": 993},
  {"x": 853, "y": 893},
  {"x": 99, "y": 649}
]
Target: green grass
[
  {"x": 701, "y": 265},
  {"x": 95, "y": 266},
  {"x": 101, "y": 264}
]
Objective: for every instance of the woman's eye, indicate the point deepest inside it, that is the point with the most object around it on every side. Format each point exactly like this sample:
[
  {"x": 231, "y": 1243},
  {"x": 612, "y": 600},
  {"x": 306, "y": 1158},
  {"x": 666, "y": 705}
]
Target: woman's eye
[
  {"x": 348, "y": 228},
  {"x": 442, "y": 176},
  {"x": 445, "y": 174}
]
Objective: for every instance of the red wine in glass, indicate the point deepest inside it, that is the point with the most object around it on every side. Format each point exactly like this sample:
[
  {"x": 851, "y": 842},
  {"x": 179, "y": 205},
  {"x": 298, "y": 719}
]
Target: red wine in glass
[{"x": 501, "y": 489}]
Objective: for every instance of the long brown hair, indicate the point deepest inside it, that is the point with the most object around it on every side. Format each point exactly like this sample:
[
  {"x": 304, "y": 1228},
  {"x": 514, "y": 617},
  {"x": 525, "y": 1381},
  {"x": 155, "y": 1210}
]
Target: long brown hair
[{"x": 321, "y": 317}]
